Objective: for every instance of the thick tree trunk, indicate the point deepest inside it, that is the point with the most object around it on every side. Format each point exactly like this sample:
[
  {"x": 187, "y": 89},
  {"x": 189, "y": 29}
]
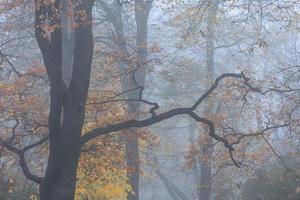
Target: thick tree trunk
[
  {"x": 60, "y": 183},
  {"x": 67, "y": 98},
  {"x": 60, "y": 179}
]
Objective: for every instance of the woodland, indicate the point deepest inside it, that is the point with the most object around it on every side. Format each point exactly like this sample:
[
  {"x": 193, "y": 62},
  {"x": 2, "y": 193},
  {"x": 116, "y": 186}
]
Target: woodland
[{"x": 149, "y": 100}]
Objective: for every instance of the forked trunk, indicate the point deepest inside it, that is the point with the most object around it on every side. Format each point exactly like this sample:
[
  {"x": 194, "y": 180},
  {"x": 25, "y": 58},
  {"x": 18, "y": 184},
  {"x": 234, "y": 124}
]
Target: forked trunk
[{"x": 68, "y": 94}]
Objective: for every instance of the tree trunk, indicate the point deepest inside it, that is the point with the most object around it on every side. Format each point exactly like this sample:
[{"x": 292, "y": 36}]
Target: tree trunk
[
  {"x": 133, "y": 77},
  {"x": 206, "y": 169},
  {"x": 60, "y": 179},
  {"x": 142, "y": 10},
  {"x": 67, "y": 104}
]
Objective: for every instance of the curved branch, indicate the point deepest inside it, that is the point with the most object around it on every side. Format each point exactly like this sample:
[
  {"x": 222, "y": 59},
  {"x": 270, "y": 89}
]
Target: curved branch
[
  {"x": 216, "y": 137},
  {"x": 22, "y": 160},
  {"x": 169, "y": 114},
  {"x": 216, "y": 83},
  {"x": 27, "y": 172},
  {"x": 132, "y": 124}
]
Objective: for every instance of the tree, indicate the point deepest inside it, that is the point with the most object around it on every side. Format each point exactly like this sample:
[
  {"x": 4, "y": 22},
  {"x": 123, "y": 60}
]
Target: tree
[
  {"x": 67, "y": 103},
  {"x": 206, "y": 154},
  {"x": 134, "y": 76}
]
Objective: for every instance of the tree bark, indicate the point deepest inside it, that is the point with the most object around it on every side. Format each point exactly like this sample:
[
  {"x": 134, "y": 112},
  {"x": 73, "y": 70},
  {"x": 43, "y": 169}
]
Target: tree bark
[{"x": 67, "y": 104}]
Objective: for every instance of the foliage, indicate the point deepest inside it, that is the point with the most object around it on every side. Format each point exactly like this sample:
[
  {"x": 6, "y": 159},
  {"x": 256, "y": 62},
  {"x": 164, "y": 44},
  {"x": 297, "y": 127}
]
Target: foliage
[{"x": 102, "y": 172}]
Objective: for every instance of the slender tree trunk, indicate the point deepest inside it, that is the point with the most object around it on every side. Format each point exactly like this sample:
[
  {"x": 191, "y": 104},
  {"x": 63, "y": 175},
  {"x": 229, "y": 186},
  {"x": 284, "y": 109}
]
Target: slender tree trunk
[
  {"x": 132, "y": 143},
  {"x": 207, "y": 149},
  {"x": 134, "y": 77},
  {"x": 67, "y": 104}
]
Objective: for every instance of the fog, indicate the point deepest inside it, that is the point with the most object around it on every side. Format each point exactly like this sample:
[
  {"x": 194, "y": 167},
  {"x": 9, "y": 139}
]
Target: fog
[{"x": 149, "y": 100}]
